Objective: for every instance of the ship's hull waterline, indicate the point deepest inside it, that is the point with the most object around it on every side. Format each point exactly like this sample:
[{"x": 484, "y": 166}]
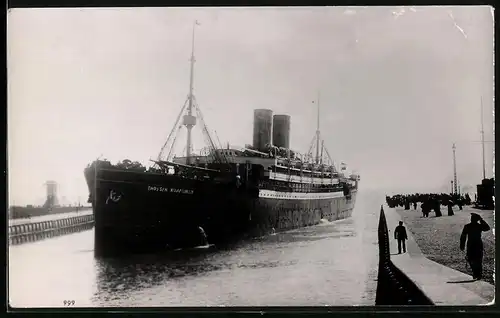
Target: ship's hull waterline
[{"x": 140, "y": 212}]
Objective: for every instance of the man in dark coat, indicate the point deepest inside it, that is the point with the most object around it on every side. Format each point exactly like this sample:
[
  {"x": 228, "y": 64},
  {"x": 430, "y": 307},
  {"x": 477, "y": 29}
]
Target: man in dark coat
[
  {"x": 425, "y": 208},
  {"x": 467, "y": 199},
  {"x": 450, "y": 208},
  {"x": 407, "y": 204},
  {"x": 400, "y": 235},
  {"x": 472, "y": 234},
  {"x": 436, "y": 205}
]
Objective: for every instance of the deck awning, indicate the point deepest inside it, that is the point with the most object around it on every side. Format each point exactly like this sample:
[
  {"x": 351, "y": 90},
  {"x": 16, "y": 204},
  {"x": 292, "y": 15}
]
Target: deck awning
[{"x": 166, "y": 164}]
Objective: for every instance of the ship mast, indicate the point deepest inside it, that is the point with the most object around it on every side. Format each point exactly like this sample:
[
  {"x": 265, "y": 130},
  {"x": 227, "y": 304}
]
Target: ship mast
[
  {"x": 320, "y": 144},
  {"x": 482, "y": 139},
  {"x": 317, "y": 134},
  {"x": 189, "y": 120}
]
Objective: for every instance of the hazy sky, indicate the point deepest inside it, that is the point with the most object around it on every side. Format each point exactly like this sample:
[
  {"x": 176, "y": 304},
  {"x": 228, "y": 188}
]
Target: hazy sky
[{"x": 398, "y": 87}]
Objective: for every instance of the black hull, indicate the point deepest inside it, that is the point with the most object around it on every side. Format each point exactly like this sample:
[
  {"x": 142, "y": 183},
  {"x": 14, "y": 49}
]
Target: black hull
[{"x": 137, "y": 212}]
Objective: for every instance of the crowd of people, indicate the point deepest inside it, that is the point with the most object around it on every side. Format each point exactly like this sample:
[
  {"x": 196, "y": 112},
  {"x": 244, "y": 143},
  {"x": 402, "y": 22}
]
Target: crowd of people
[{"x": 429, "y": 202}]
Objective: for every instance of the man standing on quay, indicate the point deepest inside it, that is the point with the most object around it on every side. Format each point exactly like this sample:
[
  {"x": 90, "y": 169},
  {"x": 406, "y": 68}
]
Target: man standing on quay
[
  {"x": 400, "y": 235},
  {"x": 472, "y": 234}
]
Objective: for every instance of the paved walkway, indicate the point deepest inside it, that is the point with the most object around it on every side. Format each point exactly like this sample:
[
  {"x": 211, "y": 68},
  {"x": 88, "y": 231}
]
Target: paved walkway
[
  {"x": 50, "y": 217},
  {"x": 443, "y": 285},
  {"x": 439, "y": 237}
]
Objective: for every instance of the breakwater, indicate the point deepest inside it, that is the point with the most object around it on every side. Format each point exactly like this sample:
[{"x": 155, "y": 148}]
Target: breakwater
[
  {"x": 393, "y": 286},
  {"x": 19, "y": 212},
  {"x": 31, "y": 232}
]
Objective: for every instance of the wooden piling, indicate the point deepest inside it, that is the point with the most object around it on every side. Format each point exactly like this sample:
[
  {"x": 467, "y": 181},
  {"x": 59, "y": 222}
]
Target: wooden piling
[{"x": 31, "y": 232}]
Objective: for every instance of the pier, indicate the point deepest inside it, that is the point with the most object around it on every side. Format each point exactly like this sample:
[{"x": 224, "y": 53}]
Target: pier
[
  {"x": 394, "y": 287},
  {"x": 39, "y": 228},
  {"x": 413, "y": 279}
]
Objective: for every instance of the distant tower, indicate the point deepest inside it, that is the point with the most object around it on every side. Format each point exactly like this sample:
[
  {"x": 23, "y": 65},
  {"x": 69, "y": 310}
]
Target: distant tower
[
  {"x": 482, "y": 139},
  {"x": 455, "y": 185},
  {"x": 51, "y": 200}
]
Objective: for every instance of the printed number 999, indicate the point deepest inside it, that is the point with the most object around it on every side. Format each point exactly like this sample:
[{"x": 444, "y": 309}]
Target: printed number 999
[{"x": 69, "y": 303}]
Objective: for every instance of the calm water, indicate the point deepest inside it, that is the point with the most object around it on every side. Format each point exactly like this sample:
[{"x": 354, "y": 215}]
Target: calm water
[{"x": 329, "y": 264}]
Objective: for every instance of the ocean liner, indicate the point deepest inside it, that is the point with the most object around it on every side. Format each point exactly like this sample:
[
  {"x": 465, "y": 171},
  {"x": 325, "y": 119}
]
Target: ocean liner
[{"x": 219, "y": 196}]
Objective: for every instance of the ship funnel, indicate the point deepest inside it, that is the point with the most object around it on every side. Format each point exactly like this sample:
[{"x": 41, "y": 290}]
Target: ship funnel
[
  {"x": 262, "y": 127},
  {"x": 281, "y": 131}
]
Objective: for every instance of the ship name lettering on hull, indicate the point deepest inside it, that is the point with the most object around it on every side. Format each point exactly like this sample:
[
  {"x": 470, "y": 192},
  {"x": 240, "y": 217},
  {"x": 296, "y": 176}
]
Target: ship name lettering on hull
[{"x": 172, "y": 190}]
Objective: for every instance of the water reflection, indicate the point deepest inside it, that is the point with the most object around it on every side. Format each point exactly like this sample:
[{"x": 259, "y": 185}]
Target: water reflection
[{"x": 134, "y": 274}]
